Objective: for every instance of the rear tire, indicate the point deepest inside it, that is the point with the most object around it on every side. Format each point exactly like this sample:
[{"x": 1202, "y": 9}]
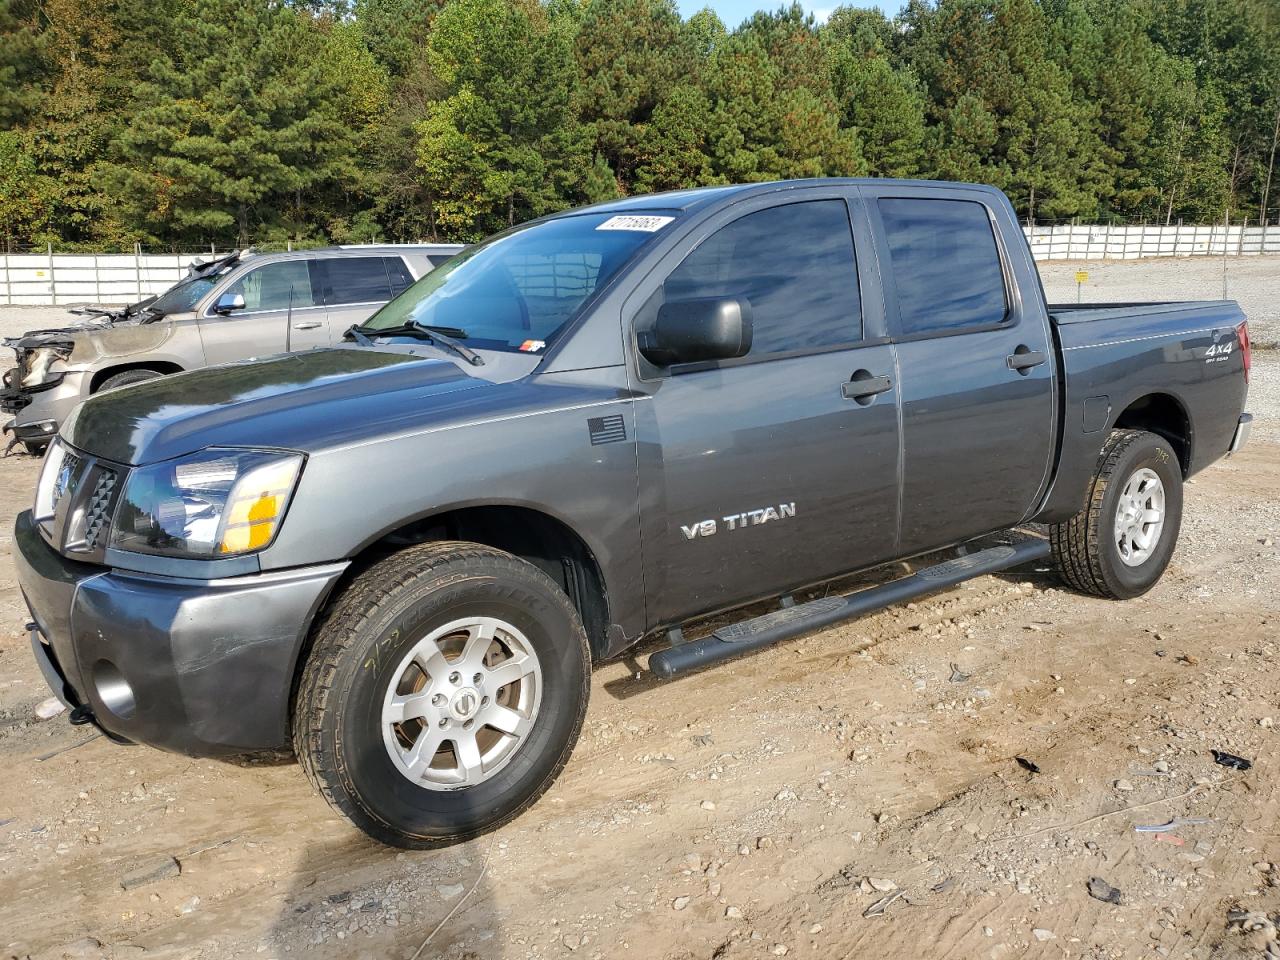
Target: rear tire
[
  {"x": 445, "y": 771},
  {"x": 1120, "y": 543},
  {"x": 126, "y": 378}
]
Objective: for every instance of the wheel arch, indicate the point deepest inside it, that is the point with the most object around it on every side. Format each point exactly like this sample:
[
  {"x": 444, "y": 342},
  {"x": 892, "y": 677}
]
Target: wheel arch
[
  {"x": 162, "y": 367},
  {"x": 1165, "y": 415},
  {"x": 536, "y": 536}
]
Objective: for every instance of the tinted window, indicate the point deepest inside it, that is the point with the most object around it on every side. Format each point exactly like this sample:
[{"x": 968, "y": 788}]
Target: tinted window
[
  {"x": 355, "y": 280},
  {"x": 399, "y": 275},
  {"x": 794, "y": 263},
  {"x": 946, "y": 268},
  {"x": 270, "y": 286}
]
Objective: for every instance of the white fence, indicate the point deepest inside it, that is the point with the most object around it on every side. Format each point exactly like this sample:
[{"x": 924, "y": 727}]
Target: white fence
[
  {"x": 65, "y": 278},
  {"x": 1082, "y": 242},
  {"x": 52, "y": 278}
]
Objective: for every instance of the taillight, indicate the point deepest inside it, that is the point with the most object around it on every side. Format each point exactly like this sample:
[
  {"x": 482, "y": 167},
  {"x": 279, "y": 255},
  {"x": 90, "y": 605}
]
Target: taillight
[{"x": 1242, "y": 334}]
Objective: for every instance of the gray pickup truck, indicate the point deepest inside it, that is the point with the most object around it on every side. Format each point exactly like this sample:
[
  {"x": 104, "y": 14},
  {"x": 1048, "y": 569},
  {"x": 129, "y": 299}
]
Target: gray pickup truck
[{"x": 400, "y": 556}]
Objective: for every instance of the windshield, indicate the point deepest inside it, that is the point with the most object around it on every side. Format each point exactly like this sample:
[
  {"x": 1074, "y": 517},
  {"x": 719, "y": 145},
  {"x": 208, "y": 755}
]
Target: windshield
[
  {"x": 183, "y": 296},
  {"x": 518, "y": 290}
]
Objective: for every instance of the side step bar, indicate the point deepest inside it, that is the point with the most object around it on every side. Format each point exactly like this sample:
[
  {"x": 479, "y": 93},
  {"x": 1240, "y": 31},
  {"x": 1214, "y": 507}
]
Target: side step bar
[{"x": 739, "y": 638}]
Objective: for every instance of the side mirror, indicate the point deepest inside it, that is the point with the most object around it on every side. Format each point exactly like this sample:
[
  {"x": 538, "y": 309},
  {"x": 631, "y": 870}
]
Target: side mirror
[
  {"x": 228, "y": 302},
  {"x": 709, "y": 328}
]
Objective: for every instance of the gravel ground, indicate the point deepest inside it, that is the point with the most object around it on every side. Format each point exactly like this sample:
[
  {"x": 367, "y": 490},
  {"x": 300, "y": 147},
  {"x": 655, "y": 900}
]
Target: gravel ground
[{"x": 853, "y": 793}]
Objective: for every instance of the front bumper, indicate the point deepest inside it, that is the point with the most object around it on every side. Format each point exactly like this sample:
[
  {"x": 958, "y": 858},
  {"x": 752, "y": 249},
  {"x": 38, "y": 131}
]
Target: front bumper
[
  {"x": 40, "y": 411},
  {"x": 201, "y": 667}
]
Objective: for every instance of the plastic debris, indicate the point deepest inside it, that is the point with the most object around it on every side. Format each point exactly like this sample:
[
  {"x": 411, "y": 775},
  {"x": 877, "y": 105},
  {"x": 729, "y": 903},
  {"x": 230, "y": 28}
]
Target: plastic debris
[
  {"x": 1028, "y": 765},
  {"x": 878, "y": 908},
  {"x": 958, "y": 675},
  {"x": 1173, "y": 824},
  {"x": 1170, "y": 838},
  {"x": 1099, "y": 889},
  {"x": 1222, "y": 758}
]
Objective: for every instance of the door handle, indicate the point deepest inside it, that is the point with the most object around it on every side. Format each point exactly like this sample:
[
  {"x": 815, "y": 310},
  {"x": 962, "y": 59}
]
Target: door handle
[
  {"x": 308, "y": 325},
  {"x": 865, "y": 388},
  {"x": 1024, "y": 358}
]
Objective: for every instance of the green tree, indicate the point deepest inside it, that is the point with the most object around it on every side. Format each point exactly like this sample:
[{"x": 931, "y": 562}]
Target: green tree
[
  {"x": 223, "y": 147},
  {"x": 20, "y": 61},
  {"x": 773, "y": 111},
  {"x": 396, "y": 30},
  {"x": 990, "y": 68},
  {"x": 882, "y": 104},
  {"x": 631, "y": 54},
  {"x": 503, "y": 144}
]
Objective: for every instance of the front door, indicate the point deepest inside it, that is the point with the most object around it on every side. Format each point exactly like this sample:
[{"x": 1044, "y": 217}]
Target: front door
[
  {"x": 978, "y": 420},
  {"x": 779, "y": 469},
  {"x": 282, "y": 311}
]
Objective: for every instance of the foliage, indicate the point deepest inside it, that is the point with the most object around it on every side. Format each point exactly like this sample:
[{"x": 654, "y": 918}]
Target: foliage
[{"x": 187, "y": 122}]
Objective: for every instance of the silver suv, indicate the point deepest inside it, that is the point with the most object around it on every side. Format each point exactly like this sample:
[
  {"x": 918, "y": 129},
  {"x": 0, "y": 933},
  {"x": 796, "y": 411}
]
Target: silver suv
[{"x": 233, "y": 308}]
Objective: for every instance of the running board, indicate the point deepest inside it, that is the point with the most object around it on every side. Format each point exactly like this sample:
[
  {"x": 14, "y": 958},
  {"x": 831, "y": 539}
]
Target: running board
[{"x": 739, "y": 638}]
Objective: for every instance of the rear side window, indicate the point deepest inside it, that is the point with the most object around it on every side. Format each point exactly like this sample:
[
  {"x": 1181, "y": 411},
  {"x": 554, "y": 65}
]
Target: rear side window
[
  {"x": 399, "y": 275},
  {"x": 356, "y": 280},
  {"x": 946, "y": 266},
  {"x": 796, "y": 266}
]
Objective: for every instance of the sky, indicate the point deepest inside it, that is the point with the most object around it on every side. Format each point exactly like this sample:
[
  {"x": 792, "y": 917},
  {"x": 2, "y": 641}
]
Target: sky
[{"x": 733, "y": 12}]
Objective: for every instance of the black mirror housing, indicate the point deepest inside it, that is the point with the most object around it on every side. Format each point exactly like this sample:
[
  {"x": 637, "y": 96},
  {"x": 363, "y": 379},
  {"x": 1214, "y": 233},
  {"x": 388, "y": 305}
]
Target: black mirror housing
[{"x": 706, "y": 328}]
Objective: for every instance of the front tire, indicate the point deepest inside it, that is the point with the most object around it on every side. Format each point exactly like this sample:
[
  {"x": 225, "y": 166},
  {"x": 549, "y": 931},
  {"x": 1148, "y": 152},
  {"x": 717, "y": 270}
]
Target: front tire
[
  {"x": 1120, "y": 543},
  {"x": 127, "y": 378},
  {"x": 443, "y": 695}
]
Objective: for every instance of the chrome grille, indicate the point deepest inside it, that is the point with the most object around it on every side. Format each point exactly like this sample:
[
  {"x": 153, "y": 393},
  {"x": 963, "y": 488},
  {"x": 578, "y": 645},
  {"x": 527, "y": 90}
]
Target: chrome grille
[
  {"x": 75, "y": 501},
  {"x": 97, "y": 514}
]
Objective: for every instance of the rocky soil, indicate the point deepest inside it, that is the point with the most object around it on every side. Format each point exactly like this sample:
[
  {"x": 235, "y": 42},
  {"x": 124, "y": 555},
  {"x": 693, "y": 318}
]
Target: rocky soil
[{"x": 1004, "y": 770}]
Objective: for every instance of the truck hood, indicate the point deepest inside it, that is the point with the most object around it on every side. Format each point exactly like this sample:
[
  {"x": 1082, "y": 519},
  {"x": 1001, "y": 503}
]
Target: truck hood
[{"x": 300, "y": 401}]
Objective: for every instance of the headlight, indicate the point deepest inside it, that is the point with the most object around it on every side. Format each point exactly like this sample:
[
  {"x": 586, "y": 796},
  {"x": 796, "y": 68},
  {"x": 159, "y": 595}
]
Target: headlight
[
  {"x": 55, "y": 474},
  {"x": 218, "y": 502}
]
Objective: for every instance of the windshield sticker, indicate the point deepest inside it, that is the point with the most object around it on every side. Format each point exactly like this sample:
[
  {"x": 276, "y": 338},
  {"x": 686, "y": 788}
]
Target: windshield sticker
[
  {"x": 645, "y": 224},
  {"x": 533, "y": 346}
]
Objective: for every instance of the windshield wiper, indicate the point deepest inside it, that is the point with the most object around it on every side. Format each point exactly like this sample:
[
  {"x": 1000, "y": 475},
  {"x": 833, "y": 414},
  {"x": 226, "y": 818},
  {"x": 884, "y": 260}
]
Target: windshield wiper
[
  {"x": 441, "y": 336},
  {"x": 354, "y": 332}
]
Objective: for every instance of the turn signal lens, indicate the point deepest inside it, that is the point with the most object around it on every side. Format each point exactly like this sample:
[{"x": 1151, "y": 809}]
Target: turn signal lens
[{"x": 256, "y": 506}]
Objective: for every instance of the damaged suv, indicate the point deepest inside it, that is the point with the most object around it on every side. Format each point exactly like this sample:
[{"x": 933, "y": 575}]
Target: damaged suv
[{"x": 232, "y": 308}]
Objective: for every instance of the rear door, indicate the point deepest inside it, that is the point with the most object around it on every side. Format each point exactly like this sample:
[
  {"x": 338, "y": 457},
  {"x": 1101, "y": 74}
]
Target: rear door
[
  {"x": 975, "y": 362},
  {"x": 282, "y": 310},
  {"x": 355, "y": 287},
  {"x": 768, "y": 472}
]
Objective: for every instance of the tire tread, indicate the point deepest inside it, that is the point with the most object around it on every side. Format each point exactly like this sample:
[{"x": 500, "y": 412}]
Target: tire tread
[
  {"x": 1076, "y": 543},
  {"x": 346, "y": 621}
]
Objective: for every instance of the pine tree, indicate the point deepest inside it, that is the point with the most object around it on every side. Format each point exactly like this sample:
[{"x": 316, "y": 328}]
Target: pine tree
[
  {"x": 224, "y": 146},
  {"x": 631, "y": 55},
  {"x": 20, "y": 61},
  {"x": 882, "y": 104},
  {"x": 503, "y": 144},
  {"x": 773, "y": 112}
]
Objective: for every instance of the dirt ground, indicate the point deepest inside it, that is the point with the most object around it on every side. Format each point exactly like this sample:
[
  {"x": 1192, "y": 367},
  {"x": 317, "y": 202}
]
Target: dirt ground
[{"x": 852, "y": 793}]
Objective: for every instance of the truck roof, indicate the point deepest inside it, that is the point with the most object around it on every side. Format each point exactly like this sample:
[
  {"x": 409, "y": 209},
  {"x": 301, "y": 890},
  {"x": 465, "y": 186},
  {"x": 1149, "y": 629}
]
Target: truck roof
[{"x": 702, "y": 197}]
